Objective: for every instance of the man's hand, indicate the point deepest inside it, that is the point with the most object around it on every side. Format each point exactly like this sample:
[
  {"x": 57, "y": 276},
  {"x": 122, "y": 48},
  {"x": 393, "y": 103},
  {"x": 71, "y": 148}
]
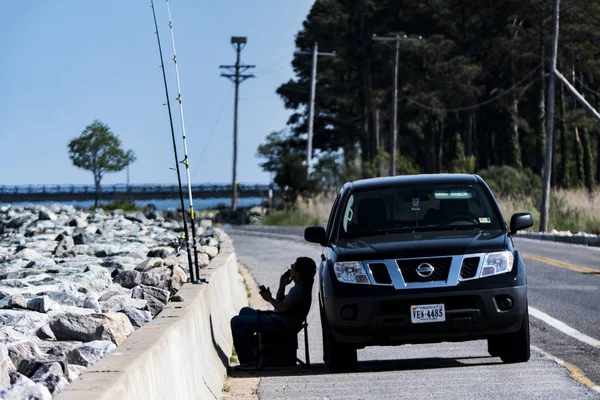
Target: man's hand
[
  {"x": 285, "y": 279},
  {"x": 266, "y": 294}
]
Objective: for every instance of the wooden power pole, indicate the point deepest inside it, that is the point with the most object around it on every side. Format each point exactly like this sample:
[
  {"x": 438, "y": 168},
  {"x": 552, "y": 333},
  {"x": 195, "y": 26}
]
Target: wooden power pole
[{"x": 237, "y": 76}]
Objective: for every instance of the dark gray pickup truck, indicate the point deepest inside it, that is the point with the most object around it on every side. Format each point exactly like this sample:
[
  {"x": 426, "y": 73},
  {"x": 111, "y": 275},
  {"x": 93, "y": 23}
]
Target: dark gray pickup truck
[{"x": 420, "y": 259}]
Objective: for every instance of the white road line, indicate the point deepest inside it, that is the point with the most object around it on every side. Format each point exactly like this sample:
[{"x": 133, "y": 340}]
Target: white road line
[
  {"x": 565, "y": 364},
  {"x": 564, "y": 328}
]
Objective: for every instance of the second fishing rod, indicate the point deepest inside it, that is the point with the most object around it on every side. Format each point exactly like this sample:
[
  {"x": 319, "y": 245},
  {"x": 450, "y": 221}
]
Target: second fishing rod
[
  {"x": 168, "y": 104},
  {"x": 185, "y": 149}
]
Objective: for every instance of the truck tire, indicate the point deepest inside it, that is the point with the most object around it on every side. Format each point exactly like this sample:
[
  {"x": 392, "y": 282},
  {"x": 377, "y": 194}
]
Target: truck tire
[
  {"x": 339, "y": 357},
  {"x": 515, "y": 347}
]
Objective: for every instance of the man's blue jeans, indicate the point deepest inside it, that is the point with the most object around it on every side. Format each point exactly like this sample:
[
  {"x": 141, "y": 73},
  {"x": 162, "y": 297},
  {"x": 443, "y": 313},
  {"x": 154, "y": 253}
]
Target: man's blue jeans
[{"x": 243, "y": 328}]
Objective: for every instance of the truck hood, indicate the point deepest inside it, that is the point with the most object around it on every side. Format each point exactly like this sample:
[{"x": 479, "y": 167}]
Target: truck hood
[{"x": 420, "y": 244}]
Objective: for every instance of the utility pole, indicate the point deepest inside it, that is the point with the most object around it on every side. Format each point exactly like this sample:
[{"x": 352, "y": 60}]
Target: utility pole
[
  {"x": 545, "y": 208},
  {"x": 237, "y": 76},
  {"x": 377, "y": 138},
  {"x": 394, "y": 132},
  {"x": 311, "y": 107}
]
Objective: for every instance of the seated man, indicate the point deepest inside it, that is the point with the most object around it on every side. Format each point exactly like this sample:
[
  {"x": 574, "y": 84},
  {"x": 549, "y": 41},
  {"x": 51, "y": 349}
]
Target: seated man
[{"x": 290, "y": 311}]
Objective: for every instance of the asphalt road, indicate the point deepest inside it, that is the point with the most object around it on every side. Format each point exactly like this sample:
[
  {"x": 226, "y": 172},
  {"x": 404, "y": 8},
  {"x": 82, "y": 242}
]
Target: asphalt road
[{"x": 448, "y": 370}]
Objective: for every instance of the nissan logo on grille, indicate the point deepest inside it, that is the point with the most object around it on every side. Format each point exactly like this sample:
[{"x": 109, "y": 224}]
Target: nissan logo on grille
[{"x": 425, "y": 270}]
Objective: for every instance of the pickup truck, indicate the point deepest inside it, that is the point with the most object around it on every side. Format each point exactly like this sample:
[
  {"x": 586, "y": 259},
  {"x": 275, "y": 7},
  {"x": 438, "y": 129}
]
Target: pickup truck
[{"x": 420, "y": 259}]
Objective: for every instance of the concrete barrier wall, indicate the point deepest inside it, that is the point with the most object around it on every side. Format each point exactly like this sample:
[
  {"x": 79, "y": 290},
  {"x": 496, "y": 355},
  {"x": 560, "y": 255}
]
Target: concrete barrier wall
[
  {"x": 182, "y": 354},
  {"x": 578, "y": 238}
]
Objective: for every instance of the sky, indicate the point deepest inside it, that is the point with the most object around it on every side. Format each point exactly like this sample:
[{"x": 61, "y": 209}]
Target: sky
[{"x": 66, "y": 63}]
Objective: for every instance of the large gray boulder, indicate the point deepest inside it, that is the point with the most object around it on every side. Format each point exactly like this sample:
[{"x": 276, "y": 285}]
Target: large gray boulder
[
  {"x": 17, "y": 300},
  {"x": 53, "y": 375},
  {"x": 91, "y": 302},
  {"x": 160, "y": 252},
  {"x": 143, "y": 292},
  {"x": 6, "y": 366},
  {"x": 95, "y": 278},
  {"x": 179, "y": 277},
  {"x": 158, "y": 277},
  {"x": 154, "y": 305},
  {"x": 149, "y": 264},
  {"x": 46, "y": 215},
  {"x": 22, "y": 351},
  {"x": 119, "y": 302},
  {"x": 82, "y": 238},
  {"x": 203, "y": 260},
  {"x": 18, "y": 221},
  {"x": 9, "y": 335},
  {"x": 42, "y": 304},
  {"x": 45, "y": 333},
  {"x": 128, "y": 279},
  {"x": 78, "y": 222},
  {"x": 212, "y": 251},
  {"x": 28, "y": 254},
  {"x": 111, "y": 326},
  {"x": 137, "y": 317},
  {"x": 23, "y": 321},
  {"x": 137, "y": 217},
  {"x": 28, "y": 389},
  {"x": 89, "y": 353},
  {"x": 65, "y": 247},
  {"x": 64, "y": 299}
]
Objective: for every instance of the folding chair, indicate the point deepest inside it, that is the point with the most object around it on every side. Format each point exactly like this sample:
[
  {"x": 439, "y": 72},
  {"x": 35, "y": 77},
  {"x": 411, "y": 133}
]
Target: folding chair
[{"x": 279, "y": 349}]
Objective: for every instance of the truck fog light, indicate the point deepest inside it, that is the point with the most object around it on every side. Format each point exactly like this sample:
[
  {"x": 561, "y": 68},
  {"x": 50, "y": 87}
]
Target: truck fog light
[
  {"x": 349, "y": 313},
  {"x": 505, "y": 303}
]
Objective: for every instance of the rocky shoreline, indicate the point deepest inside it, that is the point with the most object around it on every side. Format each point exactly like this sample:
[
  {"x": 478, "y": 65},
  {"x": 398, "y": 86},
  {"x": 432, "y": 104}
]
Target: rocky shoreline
[{"x": 74, "y": 285}]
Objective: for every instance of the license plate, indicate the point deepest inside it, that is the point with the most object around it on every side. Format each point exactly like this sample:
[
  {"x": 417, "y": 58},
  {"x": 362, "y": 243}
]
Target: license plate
[{"x": 427, "y": 313}]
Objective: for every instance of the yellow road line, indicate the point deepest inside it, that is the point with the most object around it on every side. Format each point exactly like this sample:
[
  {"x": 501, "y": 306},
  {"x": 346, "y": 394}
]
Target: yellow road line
[
  {"x": 580, "y": 377},
  {"x": 560, "y": 264},
  {"x": 576, "y": 373}
]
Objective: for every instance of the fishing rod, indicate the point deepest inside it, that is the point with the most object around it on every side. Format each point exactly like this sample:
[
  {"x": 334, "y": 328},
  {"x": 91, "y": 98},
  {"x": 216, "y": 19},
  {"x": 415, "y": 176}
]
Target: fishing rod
[
  {"x": 162, "y": 66},
  {"x": 185, "y": 149}
]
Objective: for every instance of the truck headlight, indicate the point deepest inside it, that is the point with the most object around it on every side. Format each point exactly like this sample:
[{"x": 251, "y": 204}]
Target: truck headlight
[
  {"x": 497, "y": 263},
  {"x": 351, "y": 272}
]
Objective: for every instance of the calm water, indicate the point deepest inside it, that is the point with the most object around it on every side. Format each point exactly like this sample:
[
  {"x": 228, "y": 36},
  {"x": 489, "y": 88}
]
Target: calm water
[{"x": 199, "y": 204}]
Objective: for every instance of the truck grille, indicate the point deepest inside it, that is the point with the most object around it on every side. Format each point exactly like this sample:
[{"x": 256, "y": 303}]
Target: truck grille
[
  {"x": 380, "y": 273},
  {"x": 441, "y": 268},
  {"x": 469, "y": 267}
]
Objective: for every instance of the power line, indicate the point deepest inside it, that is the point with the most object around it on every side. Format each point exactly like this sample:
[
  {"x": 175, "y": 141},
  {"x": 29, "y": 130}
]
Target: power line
[
  {"x": 213, "y": 130},
  {"x": 478, "y": 105},
  {"x": 586, "y": 87}
]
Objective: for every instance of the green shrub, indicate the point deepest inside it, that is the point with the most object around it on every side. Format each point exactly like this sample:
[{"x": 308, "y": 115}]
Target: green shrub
[
  {"x": 406, "y": 166},
  {"x": 126, "y": 205},
  {"x": 507, "y": 181}
]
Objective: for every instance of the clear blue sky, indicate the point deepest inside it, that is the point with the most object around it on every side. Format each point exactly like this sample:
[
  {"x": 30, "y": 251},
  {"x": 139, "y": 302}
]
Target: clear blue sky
[{"x": 65, "y": 63}]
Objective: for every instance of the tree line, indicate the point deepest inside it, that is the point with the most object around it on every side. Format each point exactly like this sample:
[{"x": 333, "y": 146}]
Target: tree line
[{"x": 472, "y": 92}]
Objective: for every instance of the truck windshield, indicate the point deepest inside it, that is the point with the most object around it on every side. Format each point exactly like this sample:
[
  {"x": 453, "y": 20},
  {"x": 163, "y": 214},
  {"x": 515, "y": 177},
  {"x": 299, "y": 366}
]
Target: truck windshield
[{"x": 418, "y": 208}]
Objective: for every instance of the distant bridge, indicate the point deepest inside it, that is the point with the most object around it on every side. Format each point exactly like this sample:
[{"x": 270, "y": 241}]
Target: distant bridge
[{"x": 58, "y": 193}]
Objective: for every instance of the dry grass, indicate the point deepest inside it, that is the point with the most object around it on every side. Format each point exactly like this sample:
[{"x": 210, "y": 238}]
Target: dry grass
[
  {"x": 310, "y": 211},
  {"x": 318, "y": 208},
  {"x": 570, "y": 210},
  {"x": 580, "y": 199}
]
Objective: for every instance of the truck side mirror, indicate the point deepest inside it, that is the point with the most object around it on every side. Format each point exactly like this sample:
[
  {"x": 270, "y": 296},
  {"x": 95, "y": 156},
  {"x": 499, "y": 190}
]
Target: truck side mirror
[
  {"x": 315, "y": 234},
  {"x": 519, "y": 221}
]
